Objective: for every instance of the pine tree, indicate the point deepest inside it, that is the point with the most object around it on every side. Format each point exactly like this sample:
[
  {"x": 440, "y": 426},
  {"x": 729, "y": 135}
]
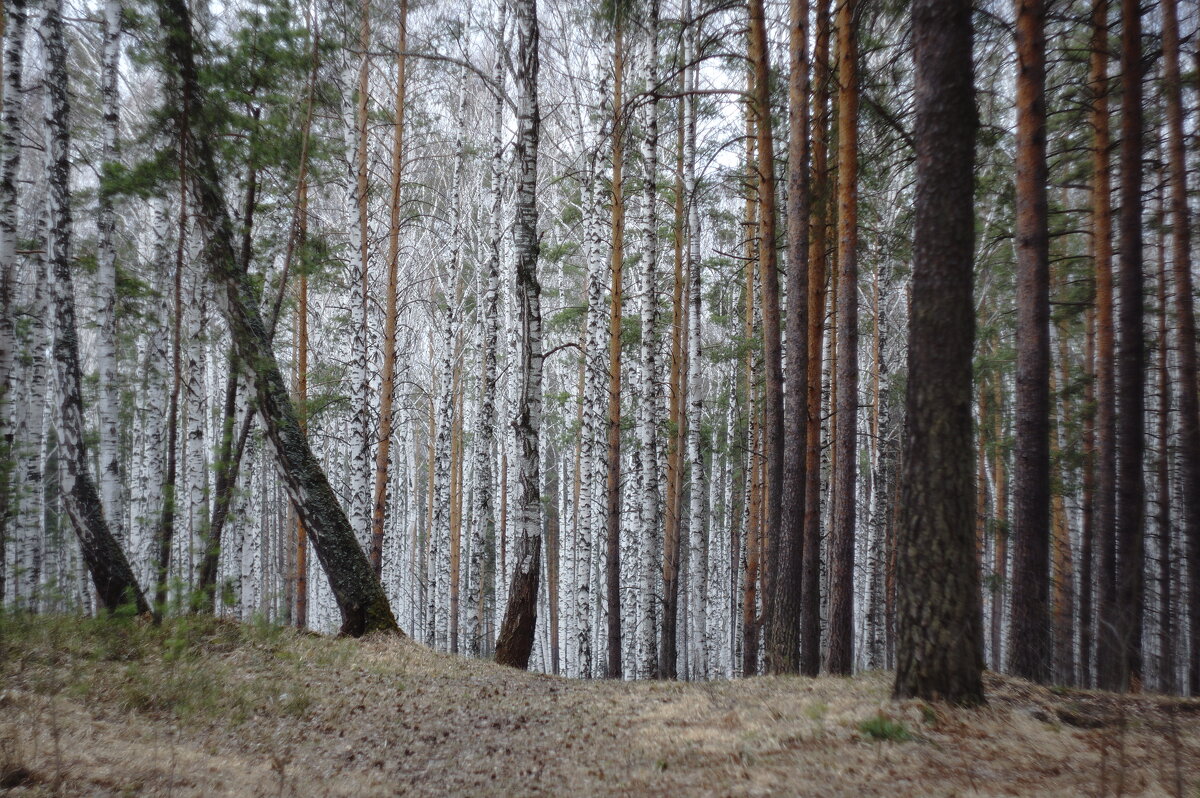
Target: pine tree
[
  {"x": 940, "y": 638},
  {"x": 1029, "y": 652}
]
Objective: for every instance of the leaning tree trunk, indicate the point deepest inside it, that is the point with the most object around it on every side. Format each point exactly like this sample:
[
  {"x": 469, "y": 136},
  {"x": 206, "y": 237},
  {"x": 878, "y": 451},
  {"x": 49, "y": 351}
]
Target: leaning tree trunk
[
  {"x": 114, "y": 579},
  {"x": 940, "y": 636},
  {"x": 515, "y": 641},
  {"x": 360, "y": 597}
]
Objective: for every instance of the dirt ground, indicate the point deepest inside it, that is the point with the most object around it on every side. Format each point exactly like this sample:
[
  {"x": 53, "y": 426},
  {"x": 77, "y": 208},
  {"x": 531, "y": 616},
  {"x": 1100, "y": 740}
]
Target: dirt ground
[{"x": 210, "y": 709}]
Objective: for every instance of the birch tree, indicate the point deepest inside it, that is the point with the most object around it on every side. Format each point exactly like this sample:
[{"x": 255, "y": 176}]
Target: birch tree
[
  {"x": 113, "y": 578},
  {"x": 515, "y": 640}
]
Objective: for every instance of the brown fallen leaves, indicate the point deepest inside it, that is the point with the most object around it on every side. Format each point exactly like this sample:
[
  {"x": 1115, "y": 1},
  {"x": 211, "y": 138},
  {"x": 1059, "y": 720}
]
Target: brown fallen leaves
[{"x": 203, "y": 708}]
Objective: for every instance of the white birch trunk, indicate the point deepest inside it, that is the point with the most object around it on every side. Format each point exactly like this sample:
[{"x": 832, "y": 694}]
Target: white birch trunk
[
  {"x": 110, "y": 570},
  {"x": 646, "y": 453},
  {"x": 482, "y": 525},
  {"x": 10, "y": 165},
  {"x": 517, "y": 632},
  {"x": 697, "y": 599},
  {"x": 111, "y": 493}
]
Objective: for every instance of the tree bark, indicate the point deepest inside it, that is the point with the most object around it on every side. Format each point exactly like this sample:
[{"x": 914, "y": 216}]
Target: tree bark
[
  {"x": 483, "y": 527},
  {"x": 1106, "y": 452},
  {"x": 677, "y": 399},
  {"x": 810, "y": 582},
  {"x": 773, "y": 433},
  {"x": 1029, "y": 645},
  {"x": 106, "y": 275},
  {"x": 783, "y": 641},
  {"x": 613, "y": 482},
  {"x": 1163, "y": 520},
  {"x": 841, "y": 554},
  {"x": 1087, "y": 533},
  {"x": 940, "y": 644},
  {"x": 387, "y": 390},
  {"x": 10, "y": 168},
  {"x": 515, "y": 641},
  {"x": 1189, "y": 402},
  {"x": 645, "y": 456},
  {"x": 1131, "y": 362},
  {"x": 360, "y": 474}
]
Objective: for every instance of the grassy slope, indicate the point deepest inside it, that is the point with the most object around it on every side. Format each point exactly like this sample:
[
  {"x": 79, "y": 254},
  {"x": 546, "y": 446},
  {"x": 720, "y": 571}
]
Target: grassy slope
[{"x": 210, "y": 708}]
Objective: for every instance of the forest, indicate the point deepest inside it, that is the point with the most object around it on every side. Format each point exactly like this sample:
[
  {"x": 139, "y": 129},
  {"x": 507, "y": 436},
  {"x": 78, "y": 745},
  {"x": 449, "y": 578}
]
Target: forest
[{"x": 631, "y": 340}]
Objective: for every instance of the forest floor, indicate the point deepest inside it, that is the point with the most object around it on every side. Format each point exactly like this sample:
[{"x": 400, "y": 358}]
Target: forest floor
[{"x": 205, "y": 708}]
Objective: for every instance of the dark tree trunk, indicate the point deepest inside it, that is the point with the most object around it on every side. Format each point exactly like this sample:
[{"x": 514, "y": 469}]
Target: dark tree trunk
[
  {"x": 1029, "y": 643},
  {"x": 810, "y": 581},
  {"x": 940, "y": 636},
  {"x": 111, "y": 574},
  {"x": 515, "y": 641},
  {"x": 783, "y": 638},
  {"x": 1131, "y": 363},
  {"x": 845, "y": 439},
  {"x": 1106, "y": 453},
  {"x": 360, "y": 597},
  {"x": 1185, "y": 322},
  {"x": 773, "y": 437}
]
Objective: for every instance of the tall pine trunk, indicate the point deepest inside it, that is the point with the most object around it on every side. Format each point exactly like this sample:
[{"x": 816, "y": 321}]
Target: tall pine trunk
[
  {"x": 1106, "y": 452},
  {"x": 810, "y": 582},
  {"x": 769, "y": 286},
  {"x": 677, "y": 401},
  {"x": 387, "y": 390},
  {"x": 783, "y": 639},
  {"x": 845, "y": 451},
  {"x": 613, "y": 480},
  {"x": 1029, "y": 648},
  {"x": 940, "y": 638},
  {"x": 1131, "y": 362},
  {"x": 1185, "y": 343}
]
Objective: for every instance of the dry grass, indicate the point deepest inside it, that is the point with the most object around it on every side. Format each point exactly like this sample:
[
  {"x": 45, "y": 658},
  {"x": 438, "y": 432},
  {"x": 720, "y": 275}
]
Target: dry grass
[{"x": 203, "y": 708}]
